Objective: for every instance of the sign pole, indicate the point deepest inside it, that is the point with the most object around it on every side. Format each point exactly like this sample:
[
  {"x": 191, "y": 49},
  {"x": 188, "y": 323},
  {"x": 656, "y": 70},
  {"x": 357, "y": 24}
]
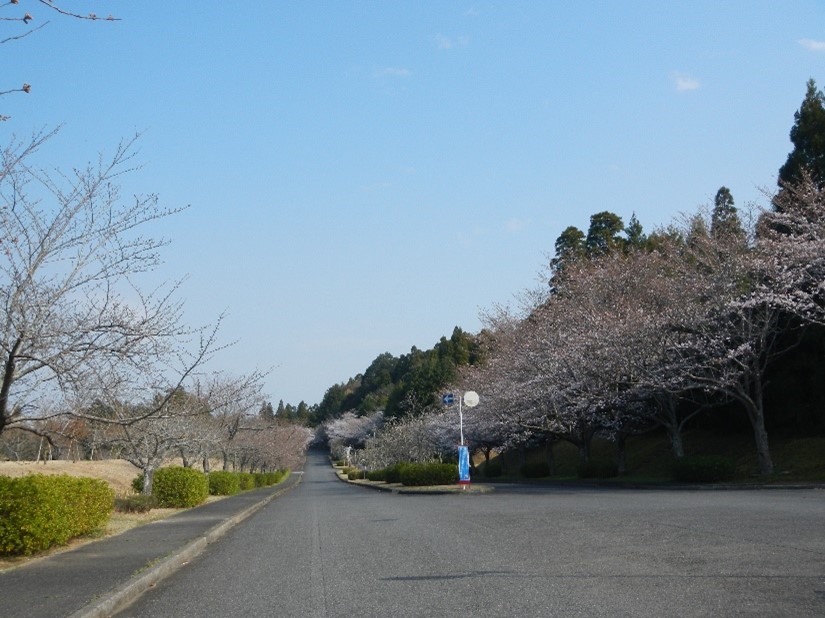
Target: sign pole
[
  {"x": 461, "y": 420},
  {"x": 470, "y": 398}
]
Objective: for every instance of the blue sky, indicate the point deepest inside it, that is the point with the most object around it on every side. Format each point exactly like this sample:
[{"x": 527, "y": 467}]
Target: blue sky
[{"x": 364, "y": 176}]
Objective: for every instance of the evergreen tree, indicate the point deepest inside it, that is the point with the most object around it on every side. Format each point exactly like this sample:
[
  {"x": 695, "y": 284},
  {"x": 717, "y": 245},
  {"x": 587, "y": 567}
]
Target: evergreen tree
[
  {"x": 569, "y": 247},
  {"x": 603, "y": 234},
  {"x": 330, "y": 406},
  {"x": 808, "y": 138},
  {"x": 302, "y": 413},
  {"x": 698, "y": 232},
  {"x": 635, "y": 235},
  {"x": 266, "y": 412},
  {"x": 724, "y": 221}
]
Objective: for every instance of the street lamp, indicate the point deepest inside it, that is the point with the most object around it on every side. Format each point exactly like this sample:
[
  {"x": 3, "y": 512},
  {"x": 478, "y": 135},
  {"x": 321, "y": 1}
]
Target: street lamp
[{"x": 469, "y": 399}]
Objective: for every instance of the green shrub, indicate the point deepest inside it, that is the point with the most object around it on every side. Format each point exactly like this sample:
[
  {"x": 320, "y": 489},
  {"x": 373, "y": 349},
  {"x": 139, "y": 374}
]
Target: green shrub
[
  {"x": 38, "y": 511},
  {"x": 535, "y": 470},
  {"x": 393, "y": 472},
  {"x": 356, "y": 474},
  {"x": 280, "y": 475},
  {"x": 390, "y": 474},
  {"x": 267, "y": 479},
  {"x": 703, "y": 469},
  {"x": 137, "y": 483},
  {"x": 223, "y": 483},
  {"x": 418, "y": 474},
  {"x": 598, "y": 469},
  {"x": 246, "y": 480},
  {"x": 135, "y": 504},
  {"x": 377, "y": 475},
  {"x": 176, "y": 487}
]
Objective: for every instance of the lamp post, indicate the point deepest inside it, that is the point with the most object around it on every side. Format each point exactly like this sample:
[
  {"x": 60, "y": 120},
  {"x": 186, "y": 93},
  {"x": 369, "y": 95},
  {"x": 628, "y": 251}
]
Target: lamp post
[{"x": 469, "y": 399}]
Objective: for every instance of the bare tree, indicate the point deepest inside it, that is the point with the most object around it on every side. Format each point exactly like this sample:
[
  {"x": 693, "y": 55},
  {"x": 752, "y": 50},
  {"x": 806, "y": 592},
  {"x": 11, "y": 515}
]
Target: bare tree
[
  {"x": 12, "y": 13},
  {"x": 76, "y": 326},
  {"x": 151, "y": 440}
]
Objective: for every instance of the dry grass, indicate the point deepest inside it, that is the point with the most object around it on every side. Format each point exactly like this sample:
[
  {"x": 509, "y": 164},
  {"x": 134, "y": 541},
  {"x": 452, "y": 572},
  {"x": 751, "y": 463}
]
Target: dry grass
[{"x": 118, "y": 473}]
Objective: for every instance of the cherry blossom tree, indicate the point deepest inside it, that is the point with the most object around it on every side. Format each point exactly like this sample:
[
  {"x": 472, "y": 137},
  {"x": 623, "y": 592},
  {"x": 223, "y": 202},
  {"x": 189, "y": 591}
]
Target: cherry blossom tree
[
  {"x": 350, "y": 431},
  {"x": 741, "y": 325},
  {"x": 791, "y": 245},
  {"x": 622, "y": 339},
  {"x": 405, "y": 439},
  {"x": 538, "y": 380}
]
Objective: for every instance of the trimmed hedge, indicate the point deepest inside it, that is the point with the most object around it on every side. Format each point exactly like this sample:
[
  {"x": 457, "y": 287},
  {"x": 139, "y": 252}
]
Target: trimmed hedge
[
  {"x": 377, "y": 475},
  {"x": 356, "y": 474},
  {"x": 393, "y": 472},
  {"x": 177, "y": 487},
  {"x": 267, "y": 479},
  {"x": 39, "y": 511},
  {"x": 390, "y": 474},
  {"x": 419, "y": 474},
  {"x": 703, "y": 469},
  {"x": 278, "y": 476},
  {"x": 247, "y": 480},
  {"x": 223, "y": 483}
]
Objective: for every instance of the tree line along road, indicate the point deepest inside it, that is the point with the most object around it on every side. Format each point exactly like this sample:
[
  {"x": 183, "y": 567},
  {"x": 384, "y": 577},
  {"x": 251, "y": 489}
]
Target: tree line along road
[{"x": 332, "y": 549}]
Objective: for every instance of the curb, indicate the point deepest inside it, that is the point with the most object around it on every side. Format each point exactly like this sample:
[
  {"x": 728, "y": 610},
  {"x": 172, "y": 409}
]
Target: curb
[
  {"x": 124, "y": 595},
  {"x": 663, "y": 486},
  {"x": 411, "y": 491}
]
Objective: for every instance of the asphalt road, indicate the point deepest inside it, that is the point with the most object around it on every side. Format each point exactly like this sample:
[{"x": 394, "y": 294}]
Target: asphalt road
[{"x": 331, "y": 549}]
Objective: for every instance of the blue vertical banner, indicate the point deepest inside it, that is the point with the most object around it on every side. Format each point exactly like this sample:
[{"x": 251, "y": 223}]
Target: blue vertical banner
[{"x": 463, "y": 465}]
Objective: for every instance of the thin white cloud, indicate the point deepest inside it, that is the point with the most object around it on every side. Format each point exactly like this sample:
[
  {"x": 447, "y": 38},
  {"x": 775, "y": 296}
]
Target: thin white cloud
[
  {"x": 446, "y": 42},
  {"x": 685, "y": 83},
  {"x": 811, "y": 45},
  {"x": 393, "y": 72},
  {"x": 514, "y": 226}
]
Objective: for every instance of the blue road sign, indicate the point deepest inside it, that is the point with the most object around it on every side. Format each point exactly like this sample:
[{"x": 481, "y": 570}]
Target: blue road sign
[{"x": 448, "y": 399}]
